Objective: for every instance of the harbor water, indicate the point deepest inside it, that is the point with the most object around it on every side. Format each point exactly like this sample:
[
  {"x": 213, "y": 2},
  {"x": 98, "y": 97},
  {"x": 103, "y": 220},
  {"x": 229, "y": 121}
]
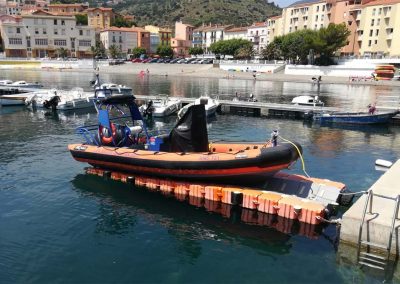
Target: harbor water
[{"x": 59, "y": 225}]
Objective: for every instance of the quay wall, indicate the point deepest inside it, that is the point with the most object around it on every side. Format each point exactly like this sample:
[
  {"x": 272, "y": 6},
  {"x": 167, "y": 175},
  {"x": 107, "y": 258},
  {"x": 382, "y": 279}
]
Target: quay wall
[{"x": 333, "y": 70}]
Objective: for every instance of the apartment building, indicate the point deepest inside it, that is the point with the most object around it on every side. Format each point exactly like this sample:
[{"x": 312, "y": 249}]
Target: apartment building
[
  {"x": 100, "y": 18},
  {"x": 126, "y": 39},
  {"x": 182, "y": 41},
  {"x": 69, "y": 9},
  {"x": 378, "y": 31},
  {"x": 257, "y": 33},
  {"x": 236, "y": 33},
  {"x": 210, "y": 34},
  {"x": 274, "y": 28},
  {"x": 41, "y": 34},
  {"x": 164, "y": 34}
]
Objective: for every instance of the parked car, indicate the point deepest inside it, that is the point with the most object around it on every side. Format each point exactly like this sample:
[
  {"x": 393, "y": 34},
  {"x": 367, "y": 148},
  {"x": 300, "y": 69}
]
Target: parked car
[
  {"x": 190, "y": 60},
  {"x": 167, "y": 60},
  {"x": 175, "y": 60},
  {"x": 160, "y": 60},
  {"x": 154, "y": 60},
  {"x": 207, "y": 61},
  {"x": 181, "y": 61},
  {"x": 137, "y": 60},
  {"x": 196, "y": 61}
]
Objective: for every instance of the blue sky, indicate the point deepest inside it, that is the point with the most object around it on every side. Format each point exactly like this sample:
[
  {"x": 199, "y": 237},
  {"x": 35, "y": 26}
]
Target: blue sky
[{"x": 283, "y": 3}]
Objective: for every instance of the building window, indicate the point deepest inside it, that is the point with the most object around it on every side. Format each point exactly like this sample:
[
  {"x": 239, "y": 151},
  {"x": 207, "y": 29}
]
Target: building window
[
  {"x": 62, "y": 22},
  {"x": 373, "y": 12},
  {"x": 371, "y": 32},
  {"x": 369, "y": 43},
  {"x": 15, "y": 41},
  {"x": 317, "y": 8},
  {"x": 18, "y": 30},
  {"x": 55, "y": 31},
  {"x": 372, "y": 22},
  {"x": 60, "y": 42},
  {"x": 378, "y": 22},
  {"x": 36, "y": 31},
  {"x": 316, "y": 18},
  {"x": 81, "y": 32},
  {"x": 376, "y": 42},
  {"x": 41, "y": 41},
  {"x": 377, "y": 32},
  {"x": 85, "y": 43},
  {"x": 44, "y": 31},
  {"x": 55, "y": 22}
]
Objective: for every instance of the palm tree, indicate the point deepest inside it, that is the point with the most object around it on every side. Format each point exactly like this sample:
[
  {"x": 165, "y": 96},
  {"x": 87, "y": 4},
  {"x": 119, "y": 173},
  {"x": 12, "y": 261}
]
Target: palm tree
[
  {"x": 62, "y": 52},
  {"x": 114, "y": 51}
]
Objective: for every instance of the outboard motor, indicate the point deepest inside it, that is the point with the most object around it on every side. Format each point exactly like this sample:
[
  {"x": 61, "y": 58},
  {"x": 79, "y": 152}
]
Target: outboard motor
[
  {"x": 148, "y": 111},
  {"x": 52, "y": 103}
]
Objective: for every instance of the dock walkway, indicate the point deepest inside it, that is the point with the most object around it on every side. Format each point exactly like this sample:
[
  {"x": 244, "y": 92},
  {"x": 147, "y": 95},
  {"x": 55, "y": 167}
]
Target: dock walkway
[{"x": 377, "y": 226}]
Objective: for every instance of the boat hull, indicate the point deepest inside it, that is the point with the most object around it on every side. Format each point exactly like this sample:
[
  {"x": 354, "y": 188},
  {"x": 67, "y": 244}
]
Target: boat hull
[
  {"x": 232, "y": 166},
  {"x": 7, "y": 102},
  {"x": 356, "y": 118}
]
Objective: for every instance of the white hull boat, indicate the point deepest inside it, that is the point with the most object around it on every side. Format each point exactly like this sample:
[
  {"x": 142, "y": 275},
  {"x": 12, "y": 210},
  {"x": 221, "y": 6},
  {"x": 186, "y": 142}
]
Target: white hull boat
[
  {"x": 20, "y": 84},
  {"x": 115, "y": 88},
  {"x": 166, "y": 106},
  {"x": 307, "y": 101},
  {"x": 61, "y": 100},
  {"x": 211, "y": 105}
]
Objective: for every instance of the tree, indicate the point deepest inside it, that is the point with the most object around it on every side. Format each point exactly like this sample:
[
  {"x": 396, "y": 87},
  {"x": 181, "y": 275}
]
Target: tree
[
  {"x": 272, "y": 51},
  {"x": 229, "y": 47},
  {"x": 246, "y": 52},
  {"x": 114, "y": 51},
  {"x": 164, "y": 51},
  {"x": 120, "y": 21},
  {"x": 62, "y": 52},
  {"x": 195, "y": 50},
  {"x": 81, "y": 19},
  {"x": 98, "y": 50},
  {"x": 137, "y": 51}
]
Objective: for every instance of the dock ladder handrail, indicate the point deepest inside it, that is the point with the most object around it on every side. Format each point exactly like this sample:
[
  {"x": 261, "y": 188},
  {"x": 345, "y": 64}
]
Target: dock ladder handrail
[{"x": 367, "y": 258}]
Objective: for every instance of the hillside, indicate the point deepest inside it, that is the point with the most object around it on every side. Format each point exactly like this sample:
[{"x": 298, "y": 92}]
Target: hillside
[{"x": 196, "y": 12}]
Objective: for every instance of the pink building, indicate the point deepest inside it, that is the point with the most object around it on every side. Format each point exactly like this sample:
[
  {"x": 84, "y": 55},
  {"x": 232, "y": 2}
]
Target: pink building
[{"x": 182, "y": 41}]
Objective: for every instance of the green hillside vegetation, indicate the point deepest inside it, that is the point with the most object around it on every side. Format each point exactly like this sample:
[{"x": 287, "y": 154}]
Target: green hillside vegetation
[{"x": 196, "y": 12}]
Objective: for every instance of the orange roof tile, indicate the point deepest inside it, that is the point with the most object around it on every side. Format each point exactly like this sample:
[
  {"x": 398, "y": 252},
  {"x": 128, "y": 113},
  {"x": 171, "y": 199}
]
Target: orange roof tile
[
  {"x": 236, "y": 29},
  {"x": 382, "y": 2}
]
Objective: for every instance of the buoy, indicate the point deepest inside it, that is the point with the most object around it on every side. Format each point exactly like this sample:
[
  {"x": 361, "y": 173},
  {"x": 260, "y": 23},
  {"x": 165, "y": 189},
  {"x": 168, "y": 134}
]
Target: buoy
[{"x": 383, "y": 163}]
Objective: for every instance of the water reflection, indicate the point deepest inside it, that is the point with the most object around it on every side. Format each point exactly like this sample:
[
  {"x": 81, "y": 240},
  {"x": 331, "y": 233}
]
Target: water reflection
[{"x": 120, "y": 207}]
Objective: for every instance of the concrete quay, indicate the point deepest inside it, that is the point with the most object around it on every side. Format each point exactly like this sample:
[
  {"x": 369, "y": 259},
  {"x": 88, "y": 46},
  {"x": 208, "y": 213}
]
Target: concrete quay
[{"x": 377, "y": 226}]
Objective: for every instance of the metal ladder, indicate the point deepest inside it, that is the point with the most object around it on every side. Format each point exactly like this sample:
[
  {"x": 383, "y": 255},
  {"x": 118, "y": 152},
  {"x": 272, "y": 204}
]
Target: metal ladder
[{"x": 366, "y": 257}]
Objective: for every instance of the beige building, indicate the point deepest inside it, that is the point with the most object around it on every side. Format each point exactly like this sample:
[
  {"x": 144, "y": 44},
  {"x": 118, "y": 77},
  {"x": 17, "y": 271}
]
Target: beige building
[
  {"x": 274, "y": 28},
  {"x": 164, "y": 34},
  {"x": 378, "y": 32},
  {"x": 42, "y": 34},
  {"x": 67, "y": 9},
  {"x": 100, "y": 18},
  {"x": 310, "y": 14},
  {"x": 126, "y": 39}
]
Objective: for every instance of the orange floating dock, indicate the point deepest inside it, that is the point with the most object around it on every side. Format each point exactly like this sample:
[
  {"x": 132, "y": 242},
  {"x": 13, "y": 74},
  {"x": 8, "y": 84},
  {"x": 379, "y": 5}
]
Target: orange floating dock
[{"x": 216, "y": 197}]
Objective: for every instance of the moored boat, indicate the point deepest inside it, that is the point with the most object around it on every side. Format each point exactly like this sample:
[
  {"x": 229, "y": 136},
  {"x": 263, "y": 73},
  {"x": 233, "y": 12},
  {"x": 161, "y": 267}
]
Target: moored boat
[
  {"x": 165, "y": 106},
  {"x": 307, "y": 101},
  {"x": 355, "y": 117},
  {"x": 61, "y": 99},
  {"x": 211, "y": 105},
  {"x": 185, "y": 153}
]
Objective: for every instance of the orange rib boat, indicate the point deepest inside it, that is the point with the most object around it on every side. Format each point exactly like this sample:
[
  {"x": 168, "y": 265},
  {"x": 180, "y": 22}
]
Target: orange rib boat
[{"x": 183, "y": 154}]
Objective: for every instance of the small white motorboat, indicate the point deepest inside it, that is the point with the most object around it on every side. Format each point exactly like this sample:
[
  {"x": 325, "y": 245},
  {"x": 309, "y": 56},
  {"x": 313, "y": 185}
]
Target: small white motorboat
[
  {"x": 307, "y": 101},
  {"x": 164, "y": 106},
  {"x": 24, "y": 84},
  {"x": 6, "y": 82},
  {"x": 61, "y": 100},
  {"x": 211, "y": 105},
  {"x": 115, "y": 88}
]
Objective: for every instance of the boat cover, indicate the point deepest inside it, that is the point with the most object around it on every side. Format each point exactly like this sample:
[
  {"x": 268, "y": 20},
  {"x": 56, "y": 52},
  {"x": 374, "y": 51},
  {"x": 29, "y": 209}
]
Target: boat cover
[{"x": 190, "y": 133}]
